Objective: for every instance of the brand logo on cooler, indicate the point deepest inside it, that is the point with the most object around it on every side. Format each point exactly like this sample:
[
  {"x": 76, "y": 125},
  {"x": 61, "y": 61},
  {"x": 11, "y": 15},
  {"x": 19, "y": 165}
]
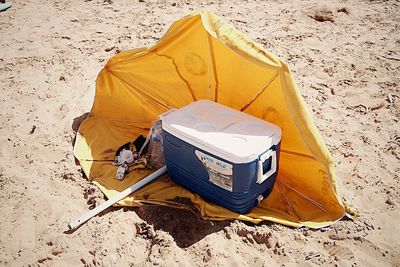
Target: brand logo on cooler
[
  {"x": 220, "y": 173},
  {"x": 214, "y": 164}
]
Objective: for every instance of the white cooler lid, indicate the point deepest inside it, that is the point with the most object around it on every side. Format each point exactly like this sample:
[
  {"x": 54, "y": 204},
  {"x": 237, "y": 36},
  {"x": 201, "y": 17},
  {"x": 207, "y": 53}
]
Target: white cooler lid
[{"x": 222, "y": 131}]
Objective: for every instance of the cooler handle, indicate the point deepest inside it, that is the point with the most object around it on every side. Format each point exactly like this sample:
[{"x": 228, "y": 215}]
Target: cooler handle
[{"x": 264, "y": 176}]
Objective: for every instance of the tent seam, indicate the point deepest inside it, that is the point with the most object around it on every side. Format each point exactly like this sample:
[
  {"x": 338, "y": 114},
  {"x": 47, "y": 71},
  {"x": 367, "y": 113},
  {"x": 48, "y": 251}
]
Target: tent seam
[
  {"x": 179, "y": 74},
  {"x": 288, "y": 203},
  {"x": 259, "y": 93},
  {"x": 211, "y": 49},
  {"x": 138, "y": 92}
]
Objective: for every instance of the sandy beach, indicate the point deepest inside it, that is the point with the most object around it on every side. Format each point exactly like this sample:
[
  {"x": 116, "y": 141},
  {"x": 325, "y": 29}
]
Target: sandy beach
[{"x": 345, "y": 57}]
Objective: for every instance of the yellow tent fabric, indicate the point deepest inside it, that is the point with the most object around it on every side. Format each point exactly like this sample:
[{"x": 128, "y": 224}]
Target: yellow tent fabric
[{"x": 203, "y": 57}]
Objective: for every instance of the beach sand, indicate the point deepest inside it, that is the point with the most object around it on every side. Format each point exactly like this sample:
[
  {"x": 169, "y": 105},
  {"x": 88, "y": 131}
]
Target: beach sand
[{"x": 345, "y": 57}]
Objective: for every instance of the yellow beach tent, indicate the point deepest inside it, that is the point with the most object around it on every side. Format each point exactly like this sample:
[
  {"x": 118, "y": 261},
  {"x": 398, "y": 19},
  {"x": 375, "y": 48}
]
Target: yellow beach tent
[{"x": 203, "y": 57}]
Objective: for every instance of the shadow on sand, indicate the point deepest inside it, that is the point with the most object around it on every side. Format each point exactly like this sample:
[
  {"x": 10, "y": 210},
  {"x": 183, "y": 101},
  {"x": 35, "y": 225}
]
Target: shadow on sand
[{"x": 186, "y": 227}]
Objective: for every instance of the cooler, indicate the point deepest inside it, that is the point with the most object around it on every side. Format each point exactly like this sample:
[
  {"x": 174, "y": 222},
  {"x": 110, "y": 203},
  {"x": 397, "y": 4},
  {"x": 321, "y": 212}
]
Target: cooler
[{"x": 226, "y": 156}]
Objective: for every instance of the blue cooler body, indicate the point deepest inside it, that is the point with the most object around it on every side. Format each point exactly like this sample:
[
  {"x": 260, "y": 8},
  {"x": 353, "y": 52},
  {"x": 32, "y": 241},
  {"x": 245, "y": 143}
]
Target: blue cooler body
[{"x": 197, "y": 160}]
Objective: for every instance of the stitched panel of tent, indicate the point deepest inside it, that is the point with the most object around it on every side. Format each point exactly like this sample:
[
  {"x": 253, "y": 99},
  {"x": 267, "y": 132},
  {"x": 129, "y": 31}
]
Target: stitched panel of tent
[{"x": 203, "y": 57}]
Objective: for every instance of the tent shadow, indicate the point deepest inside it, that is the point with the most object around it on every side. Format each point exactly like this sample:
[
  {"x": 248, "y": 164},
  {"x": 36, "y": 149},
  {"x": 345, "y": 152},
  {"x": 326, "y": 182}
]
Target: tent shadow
[
  {"x": 186, "y": 227},
  {"x": 76, "y": 123}
]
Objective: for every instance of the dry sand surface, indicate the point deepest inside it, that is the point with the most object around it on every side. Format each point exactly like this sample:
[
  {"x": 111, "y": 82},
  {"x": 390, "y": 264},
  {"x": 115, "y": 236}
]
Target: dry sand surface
[{"x": 345, "y": 56}]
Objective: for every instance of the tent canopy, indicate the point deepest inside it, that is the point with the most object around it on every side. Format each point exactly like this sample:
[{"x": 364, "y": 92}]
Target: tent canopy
[{"x": 203, "y": 57}]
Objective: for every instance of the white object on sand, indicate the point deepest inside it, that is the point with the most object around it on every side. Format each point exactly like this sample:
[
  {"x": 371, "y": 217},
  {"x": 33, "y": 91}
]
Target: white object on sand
[
  {"x": 4, "y": 6},
  {"x": 87, "y": 216}
]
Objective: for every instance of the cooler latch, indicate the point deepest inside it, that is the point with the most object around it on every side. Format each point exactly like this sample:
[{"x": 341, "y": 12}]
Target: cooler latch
[{"x": 264, "y": 176}]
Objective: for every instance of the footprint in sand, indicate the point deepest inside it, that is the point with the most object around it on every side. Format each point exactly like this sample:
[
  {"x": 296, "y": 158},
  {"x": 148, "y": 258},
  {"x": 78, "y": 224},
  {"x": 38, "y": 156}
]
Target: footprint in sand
[{"x": 340, "y": 253}]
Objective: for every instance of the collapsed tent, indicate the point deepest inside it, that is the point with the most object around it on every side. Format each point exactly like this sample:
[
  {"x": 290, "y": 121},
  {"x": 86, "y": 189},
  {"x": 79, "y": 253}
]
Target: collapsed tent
[{"x": 203, "y": 57}]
